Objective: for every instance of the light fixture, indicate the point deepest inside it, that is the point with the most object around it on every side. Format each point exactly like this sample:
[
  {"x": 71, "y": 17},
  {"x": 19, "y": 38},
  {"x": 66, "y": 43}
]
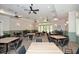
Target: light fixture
[
  {"x": 1, "y": 11},
  {"x": 18, "y": 24},
  {"x": 5, "y": 12},
  {"x": 56, "y": 19},
  {"x": 56, "y": 25},
  {"x": 66, "y": 22}
]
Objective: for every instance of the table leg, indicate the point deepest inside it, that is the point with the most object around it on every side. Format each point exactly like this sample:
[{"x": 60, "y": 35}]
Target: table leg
[{"x": 6, "y": 48}]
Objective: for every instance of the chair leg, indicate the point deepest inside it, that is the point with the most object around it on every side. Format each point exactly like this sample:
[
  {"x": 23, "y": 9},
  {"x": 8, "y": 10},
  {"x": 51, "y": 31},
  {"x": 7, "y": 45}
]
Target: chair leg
[{"x": 62, "y": 48}]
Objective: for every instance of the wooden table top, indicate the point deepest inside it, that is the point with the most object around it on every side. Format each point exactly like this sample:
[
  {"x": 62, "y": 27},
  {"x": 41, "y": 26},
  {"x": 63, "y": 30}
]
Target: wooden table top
[
  {"x": 43, "y": 47},
  {"x": 30, "y": 33},
  {"x": 58, "y": 36},
  {"x": 8, "y": 39}
]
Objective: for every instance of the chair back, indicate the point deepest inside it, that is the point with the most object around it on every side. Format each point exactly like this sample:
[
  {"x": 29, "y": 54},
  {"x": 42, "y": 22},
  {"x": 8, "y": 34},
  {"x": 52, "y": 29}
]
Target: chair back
[
  {"x": 64, "y": 42},
  {"x": 22, "y": 50},
  {"x": 68, "y": 51},
  {"x": 77, "y": 51},
  {"x": 38, "y": 40},
  {"x": 19, "y": 44}
]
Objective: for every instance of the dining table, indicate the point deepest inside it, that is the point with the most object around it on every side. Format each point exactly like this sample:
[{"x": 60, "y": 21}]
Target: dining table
[
  {"x": 30, "y": 35},
  {"x": 58, "y": 37},
  {"x": 43, "y": 47},
  {"x": 7, "y": 41}
]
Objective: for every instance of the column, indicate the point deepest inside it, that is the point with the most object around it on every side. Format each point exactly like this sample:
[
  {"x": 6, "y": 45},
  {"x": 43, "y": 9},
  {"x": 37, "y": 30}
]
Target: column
[
  {"x": 77, "y": 27},
  {"x": 72, "y": 26},
  {"x": 1, "y": 29}
]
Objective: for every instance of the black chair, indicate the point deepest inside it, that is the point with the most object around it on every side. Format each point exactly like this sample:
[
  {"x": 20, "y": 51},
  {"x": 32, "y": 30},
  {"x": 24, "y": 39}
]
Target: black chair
[
  {"x": 22, "y": 50},
  {"x": 68, "y": 51},
  {"x": 63, "y": 42},
  {"x": 31, "y": 36},
  {"x": 38, "y": 40},
  {"x": 50, "y": 39},
  {"x": 18, "y": 44},
  {"x": 2, "y": 49},
  {"x": 15, "y": 45},
  {"x": 77, "y": 51}
]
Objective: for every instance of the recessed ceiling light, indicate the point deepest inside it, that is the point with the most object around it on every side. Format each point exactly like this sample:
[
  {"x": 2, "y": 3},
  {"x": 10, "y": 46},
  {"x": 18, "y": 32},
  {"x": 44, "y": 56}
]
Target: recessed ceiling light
[
  {"x": 56, "y": 19},
  {"x": 56, "y": 25},
  {"x": 2, "y": 11},
  {"x": 66, "y": 22},
  {"x": 18, "y": 24}
]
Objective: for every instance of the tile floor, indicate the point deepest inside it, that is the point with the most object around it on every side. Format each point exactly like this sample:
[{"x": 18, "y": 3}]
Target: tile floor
[{"x": 26, "y": 42}]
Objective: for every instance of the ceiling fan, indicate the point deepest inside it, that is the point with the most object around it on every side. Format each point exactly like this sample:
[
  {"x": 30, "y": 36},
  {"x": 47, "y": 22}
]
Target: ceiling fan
[
  {"x": 17, "y": 16},
  {"x": 32, "y": 9}
]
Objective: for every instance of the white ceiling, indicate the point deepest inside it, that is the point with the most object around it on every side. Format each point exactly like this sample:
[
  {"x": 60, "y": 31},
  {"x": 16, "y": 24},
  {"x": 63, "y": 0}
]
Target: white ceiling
[{"x": 49, "y": 11}]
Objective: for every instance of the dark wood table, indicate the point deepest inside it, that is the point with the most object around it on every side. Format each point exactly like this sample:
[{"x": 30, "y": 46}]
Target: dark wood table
[
  {"x": 7, "y": 41},
  {"x": 58, "y": 37},
  {"x": 30, "y": 35}
]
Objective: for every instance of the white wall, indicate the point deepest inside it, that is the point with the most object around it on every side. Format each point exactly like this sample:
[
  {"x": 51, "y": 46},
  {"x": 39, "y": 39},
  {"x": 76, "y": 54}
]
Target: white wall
[
  {"x": 5, "y": 22},
  {"x": 10, "y": 23},
  {"x": 20, "y": 24}
]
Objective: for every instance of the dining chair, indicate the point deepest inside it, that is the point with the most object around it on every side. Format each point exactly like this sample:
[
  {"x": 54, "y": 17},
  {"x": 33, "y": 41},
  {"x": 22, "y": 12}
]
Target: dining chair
[
  {"x": 77, "y": 51},
  {"x": 19, "y": 44},
  {"x": 16, "y": 45},
  {"x": 50, "y": 39},
  {"x": 22, "y": 50},
  {"x": 38, "y": 40},
  {"x": 68, "y": 51},
  {"x": 2, "y": 49},
  {"x": 64, "y": 42},
  {"x": 31, "y": 37}
]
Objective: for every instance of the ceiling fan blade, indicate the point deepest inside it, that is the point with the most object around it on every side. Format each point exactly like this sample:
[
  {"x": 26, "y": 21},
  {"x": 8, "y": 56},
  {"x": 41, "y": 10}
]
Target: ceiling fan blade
[
  {"x": 31, "y": 8},
  {"x": 34, "y": 12}
]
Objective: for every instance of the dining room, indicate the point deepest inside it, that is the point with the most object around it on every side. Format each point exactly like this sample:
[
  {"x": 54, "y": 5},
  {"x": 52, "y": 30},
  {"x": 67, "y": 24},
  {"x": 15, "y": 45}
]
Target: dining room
[{"x": 39, "y": 29}]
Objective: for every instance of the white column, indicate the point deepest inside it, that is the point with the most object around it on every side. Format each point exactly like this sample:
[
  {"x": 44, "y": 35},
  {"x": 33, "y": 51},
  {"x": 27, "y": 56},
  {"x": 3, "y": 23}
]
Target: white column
[
  {"x": 1, "y": 28},
  {"x": 77, "y": 24},
  {"x": 72, "y": 26},
  {"x": 39, "y": 28},
  {"x": 51, "y": 27}
]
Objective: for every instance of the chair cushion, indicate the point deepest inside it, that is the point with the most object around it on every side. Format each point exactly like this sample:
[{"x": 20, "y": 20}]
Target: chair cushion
[
  {"x": 38, "y": 40},
  {"x": 77, "y": 51},
  {"x": 22, "y": 50}
]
